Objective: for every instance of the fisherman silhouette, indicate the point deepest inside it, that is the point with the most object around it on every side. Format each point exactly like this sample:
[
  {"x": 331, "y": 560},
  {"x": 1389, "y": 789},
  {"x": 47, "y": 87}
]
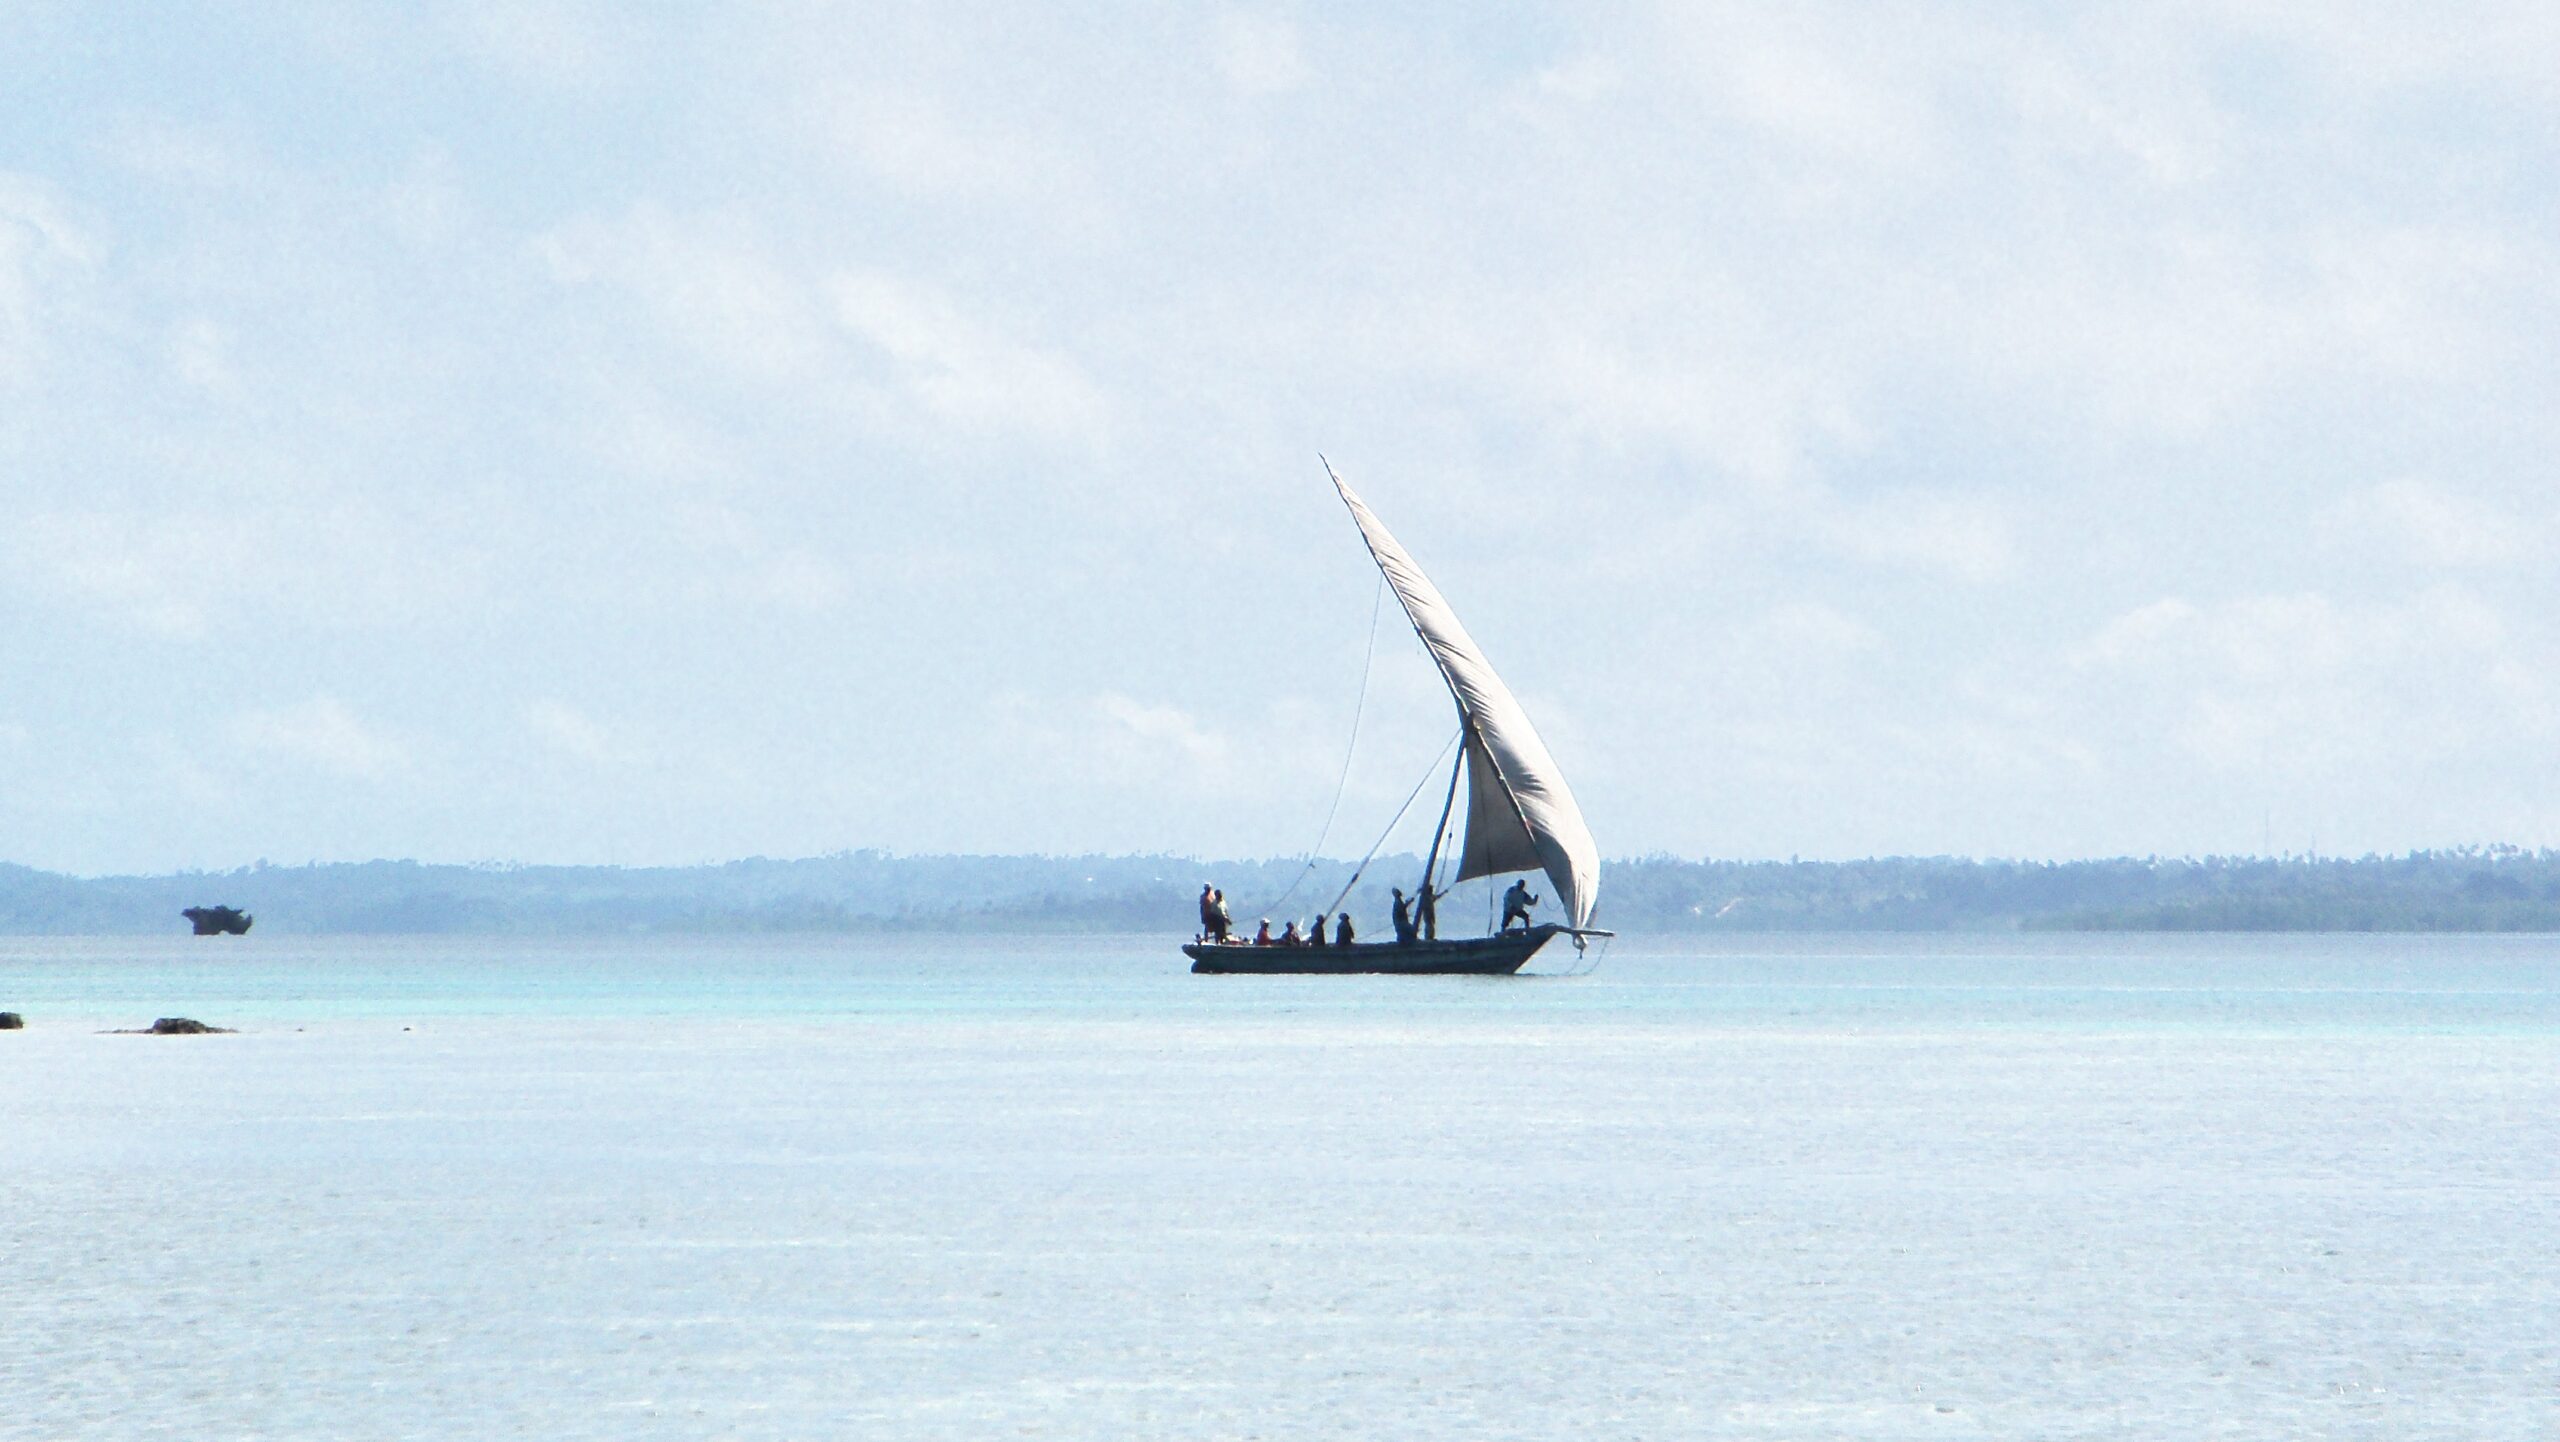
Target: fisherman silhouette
[
  {"x": 1403, "y": 918},
  {"x": 1426, "y": 911},
  {"x": 1516, "y": 902},
  {"x": 1342, "y": 930}
]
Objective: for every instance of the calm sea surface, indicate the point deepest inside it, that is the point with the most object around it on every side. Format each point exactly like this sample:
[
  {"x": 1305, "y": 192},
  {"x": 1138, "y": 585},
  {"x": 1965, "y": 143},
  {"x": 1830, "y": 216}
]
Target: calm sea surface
[{"x": 1782, "y": 1187}]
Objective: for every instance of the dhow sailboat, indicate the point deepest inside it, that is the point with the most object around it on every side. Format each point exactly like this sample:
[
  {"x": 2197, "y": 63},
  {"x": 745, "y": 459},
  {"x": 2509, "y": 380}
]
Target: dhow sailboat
[{"x": 1520, "y": 816}]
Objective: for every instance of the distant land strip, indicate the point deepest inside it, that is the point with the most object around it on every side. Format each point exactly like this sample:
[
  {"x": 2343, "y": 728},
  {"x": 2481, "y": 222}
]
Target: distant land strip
[{"x": 2472, "y": 888}]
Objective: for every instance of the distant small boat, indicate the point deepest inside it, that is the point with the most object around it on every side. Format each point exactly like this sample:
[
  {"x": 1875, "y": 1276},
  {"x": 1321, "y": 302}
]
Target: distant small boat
[
  {"x": 1520, "y": 815},
  {"x": 218, "y": 920}
]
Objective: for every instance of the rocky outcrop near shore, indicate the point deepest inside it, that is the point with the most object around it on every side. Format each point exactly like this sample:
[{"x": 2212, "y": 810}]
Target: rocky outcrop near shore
[{"x": 174, "y": 1026}]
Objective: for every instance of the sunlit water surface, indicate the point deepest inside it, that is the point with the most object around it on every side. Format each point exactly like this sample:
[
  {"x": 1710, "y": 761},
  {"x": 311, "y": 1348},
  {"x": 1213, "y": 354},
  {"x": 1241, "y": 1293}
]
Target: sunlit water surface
[{"x": 968, "y": 1188}]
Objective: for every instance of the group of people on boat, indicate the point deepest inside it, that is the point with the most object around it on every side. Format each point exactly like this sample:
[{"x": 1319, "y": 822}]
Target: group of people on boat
[
  {"x": 1415, "y": 919},
  {"x": 1217, "y": 925},
  {"x": 1312, "y": 936}
]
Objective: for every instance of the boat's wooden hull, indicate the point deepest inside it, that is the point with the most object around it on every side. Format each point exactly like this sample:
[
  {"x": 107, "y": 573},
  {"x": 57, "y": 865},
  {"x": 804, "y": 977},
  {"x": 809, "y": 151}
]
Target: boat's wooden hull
[{"x": 1498, "y": 955}]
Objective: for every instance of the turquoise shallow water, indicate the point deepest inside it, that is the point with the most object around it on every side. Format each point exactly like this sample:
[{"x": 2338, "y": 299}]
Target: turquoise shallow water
[
  {"x": 961, "y": 1188},
  {"x": 2070, "y": 982}
]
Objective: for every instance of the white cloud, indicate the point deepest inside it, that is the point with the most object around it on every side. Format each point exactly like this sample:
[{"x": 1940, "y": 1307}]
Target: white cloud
[
  {"x": 323, "y": 733},
  {"x": 1763, "y": 423},
  {"x": 1768, "y": 668},
  {"x": 1258, "y": 54},
  {"x": 963, "y": 369},
  {"x": 917, "y": 143},
  {"x": 429, "y": 206},
  {"x": 637, "y": 431},
  {"x": 2137, "y": 632},
  {"x": 802, "y": 581},
  {"x": 41, "y": 250},
  {"x": 2301, "y": 685},
  {"x": 162, "y": 574},
  {"x": 1844, "y": 103},
  {"x": 1176, "y": 731},
  {"x": 2113, "y": 103},
  {"x": 186, "y": 156},
  {"x": 902, "y": 355},
  {"x": 278, "y": 553},
  {"x": 1813, "y": 628},
  {"x": 2185, "y": 329},
  {"x": 570, "y": 732},
  {"x": 1119, "y": 759},
  {"x": 2373, "y": 51},
  {"x": 1578, "y": 80},
  {"x": 724, "y": 298},
  {"x": 2429, "y": 525},
  {"x": 743, "y": 561},
  {"x": 553, "y": 44},
  {"x": 200, "y": 354},
  {"x": 1967, "y": 537}
]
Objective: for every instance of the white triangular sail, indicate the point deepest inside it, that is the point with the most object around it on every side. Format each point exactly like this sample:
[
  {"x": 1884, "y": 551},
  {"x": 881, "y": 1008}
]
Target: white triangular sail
[{"x": 1519, "y": 813}]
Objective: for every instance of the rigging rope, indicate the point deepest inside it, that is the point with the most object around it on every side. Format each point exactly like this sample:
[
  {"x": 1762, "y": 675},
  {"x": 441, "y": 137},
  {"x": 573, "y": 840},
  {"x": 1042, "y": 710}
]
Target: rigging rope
[
  {"x": 1427, "y": 773},
  {"x": 1586, "y": 959},
  {"x": 1359, "y": 707}
]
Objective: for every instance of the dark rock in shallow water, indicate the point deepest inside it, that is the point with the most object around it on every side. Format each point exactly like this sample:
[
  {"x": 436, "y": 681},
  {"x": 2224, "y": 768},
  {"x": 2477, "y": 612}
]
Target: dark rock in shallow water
[
  {"x": 183, "y": 1026},
  {"x": 11, "y": 1021}
]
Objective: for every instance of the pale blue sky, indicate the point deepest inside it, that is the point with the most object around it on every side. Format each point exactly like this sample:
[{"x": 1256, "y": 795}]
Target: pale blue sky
[{"x": 583, "y": 432}]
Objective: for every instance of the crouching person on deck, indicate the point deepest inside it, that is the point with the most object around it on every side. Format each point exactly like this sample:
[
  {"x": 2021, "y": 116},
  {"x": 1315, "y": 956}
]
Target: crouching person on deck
[{"x": 1516, "y": 903}]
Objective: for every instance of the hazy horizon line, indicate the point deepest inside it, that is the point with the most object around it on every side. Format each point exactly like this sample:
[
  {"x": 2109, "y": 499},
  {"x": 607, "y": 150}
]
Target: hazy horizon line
[{"x": 2494, "y": 849}]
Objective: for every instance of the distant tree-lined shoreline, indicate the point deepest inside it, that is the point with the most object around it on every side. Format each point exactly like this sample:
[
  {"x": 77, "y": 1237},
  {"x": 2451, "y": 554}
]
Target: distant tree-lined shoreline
[{"x": 2480, "y": 888}]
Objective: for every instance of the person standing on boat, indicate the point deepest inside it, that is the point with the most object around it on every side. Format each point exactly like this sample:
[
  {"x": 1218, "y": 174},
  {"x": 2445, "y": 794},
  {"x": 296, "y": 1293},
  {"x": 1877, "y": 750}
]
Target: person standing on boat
[
  {"x": 1516, "y": 902},
  {"x": 1342, "y": 930},
  {"x": 1213, "y": 915},
  {"x": 1426, "y": 910},
  {"x": 1403, "y": 918}
]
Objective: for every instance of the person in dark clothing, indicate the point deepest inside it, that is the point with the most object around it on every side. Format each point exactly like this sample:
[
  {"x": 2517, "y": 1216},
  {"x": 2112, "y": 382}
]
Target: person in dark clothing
[
  {"x": 1315, "y": 932},
  {"x": 1289, "y": 935},
  {"x": 1209, "y": 928},
  {"x": 1403, "y": 919},
  {"x": 1342, "y": 930},
  {"x": 1426, "y": 911},
  {"x": 1516, "y": 902}
]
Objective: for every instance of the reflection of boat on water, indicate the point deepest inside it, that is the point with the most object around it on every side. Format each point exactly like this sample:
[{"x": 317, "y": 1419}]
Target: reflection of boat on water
[
  {"x": 1519, "y": 816},
  {"x": 218, "y": 920}
]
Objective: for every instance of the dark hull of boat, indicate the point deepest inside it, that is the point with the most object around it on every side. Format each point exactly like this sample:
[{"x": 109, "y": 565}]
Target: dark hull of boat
[{"x": 1499, "y": 955}]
